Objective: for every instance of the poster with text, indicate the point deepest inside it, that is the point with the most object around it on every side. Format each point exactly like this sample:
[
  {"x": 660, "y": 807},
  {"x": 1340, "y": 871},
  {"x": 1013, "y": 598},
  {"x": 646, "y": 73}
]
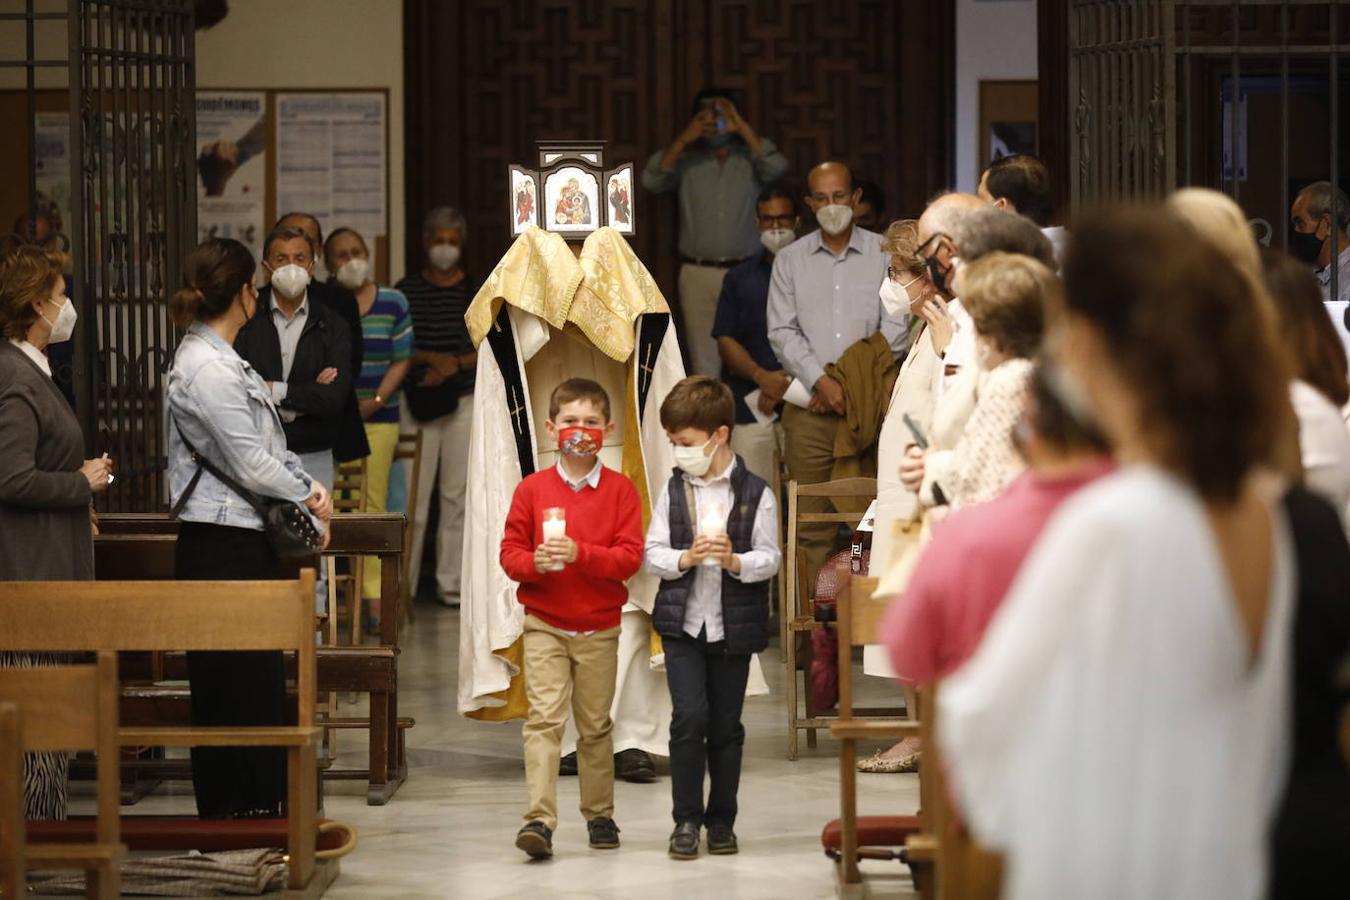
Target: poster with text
[
  {"x": 331, "y": 160},
  {"x": 232, "y": 167}
]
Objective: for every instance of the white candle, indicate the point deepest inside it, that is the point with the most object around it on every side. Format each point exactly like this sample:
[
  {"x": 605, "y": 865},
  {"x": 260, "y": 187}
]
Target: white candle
[
  {"x": 555, "y": 526},
  {"x": 712, "y": 523}
]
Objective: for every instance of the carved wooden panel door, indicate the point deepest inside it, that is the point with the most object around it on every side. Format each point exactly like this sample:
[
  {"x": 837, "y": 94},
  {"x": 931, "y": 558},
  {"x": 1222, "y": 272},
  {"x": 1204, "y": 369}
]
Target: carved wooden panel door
[{"x": 866, "y": 81}]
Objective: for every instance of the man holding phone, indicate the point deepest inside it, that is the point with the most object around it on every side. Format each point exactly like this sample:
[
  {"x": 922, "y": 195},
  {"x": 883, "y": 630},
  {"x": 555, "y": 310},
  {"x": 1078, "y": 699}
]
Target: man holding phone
[{"x": 718, "y": 165}]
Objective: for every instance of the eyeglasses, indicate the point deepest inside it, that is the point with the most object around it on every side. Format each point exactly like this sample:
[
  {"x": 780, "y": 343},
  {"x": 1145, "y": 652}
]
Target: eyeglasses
[
  {"x": 919, "y": 251},
  {"x": 895, "y": 274},
  {"x": 778, "y": 221}
]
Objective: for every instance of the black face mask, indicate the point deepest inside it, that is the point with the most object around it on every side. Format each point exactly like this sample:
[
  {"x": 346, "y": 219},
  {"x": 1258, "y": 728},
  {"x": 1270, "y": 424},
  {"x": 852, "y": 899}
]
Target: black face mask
[
  {"x": 1305, "y": 246},
  {"x": 938, "y": 277}
]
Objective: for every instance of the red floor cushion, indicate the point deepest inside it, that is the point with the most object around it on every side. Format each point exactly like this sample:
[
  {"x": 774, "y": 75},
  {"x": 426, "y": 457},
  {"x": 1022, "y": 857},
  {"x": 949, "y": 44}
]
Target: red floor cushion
[
  {"x": 873, "y": 831},
  {"x": 181, "y": 833}
]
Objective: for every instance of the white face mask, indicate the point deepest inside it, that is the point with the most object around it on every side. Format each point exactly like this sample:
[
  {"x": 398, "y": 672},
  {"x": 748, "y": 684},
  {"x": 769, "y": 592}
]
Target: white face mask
[
  {"x": 895, "y": 297},
  {"x": 693, "y": 461},
  {"x": 834, "y": 218},
  {"x": 354, "y": 273},
  {"x": 443, "y": 256},
  {"x": 776, "y": 239},
  {"x": 64, "y": 326},
  {"x": 290, "y": 280}
]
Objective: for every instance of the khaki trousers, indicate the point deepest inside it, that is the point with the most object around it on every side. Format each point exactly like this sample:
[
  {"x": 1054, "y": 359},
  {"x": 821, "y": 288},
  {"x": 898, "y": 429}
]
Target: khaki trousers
[
  {"x": 808, "y": 450},
  {"x": 757, "y": 443},
  {"x": 445, "y": 450},
  {"x": 700, "y": 286},
  {"x": 580, "y": 669}
]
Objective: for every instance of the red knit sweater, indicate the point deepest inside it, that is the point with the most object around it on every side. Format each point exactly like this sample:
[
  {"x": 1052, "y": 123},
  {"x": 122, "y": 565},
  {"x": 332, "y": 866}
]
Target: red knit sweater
[{"x": 606, "y": 524}]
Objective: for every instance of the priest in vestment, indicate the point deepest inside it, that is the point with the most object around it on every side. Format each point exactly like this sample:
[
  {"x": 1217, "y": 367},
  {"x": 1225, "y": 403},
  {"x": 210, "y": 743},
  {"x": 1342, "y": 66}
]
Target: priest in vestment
[{"x": 545, "y": 315}]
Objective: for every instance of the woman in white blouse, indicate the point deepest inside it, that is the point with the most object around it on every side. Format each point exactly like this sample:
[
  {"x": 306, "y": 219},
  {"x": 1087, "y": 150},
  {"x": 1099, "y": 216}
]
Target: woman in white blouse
[
  {"x": 1320, "y": 387},
  {"x": 1005, "y": 294},
  {"x": 1121, "y": 731}
]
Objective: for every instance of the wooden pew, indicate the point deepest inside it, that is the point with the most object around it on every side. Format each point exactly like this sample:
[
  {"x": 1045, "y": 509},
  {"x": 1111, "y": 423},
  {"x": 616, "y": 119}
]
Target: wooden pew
[
  {"x": 141, "y": 546},
  {"x": 13, "y": 882},
  {"x": 83, "y": 616},
  {"x": 61, "y": 708}
]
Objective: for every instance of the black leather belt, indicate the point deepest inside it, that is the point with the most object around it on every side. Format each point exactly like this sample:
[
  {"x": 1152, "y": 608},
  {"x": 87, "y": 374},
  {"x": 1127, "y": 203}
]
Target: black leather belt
[{"x": 713, "y": 263}]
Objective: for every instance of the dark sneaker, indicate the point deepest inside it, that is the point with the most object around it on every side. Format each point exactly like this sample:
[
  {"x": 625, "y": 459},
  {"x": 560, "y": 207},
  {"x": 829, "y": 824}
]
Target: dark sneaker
[
  {"x": 536, "y": 839},
  {"x": 636, "y": 766},
  {"x": 603, "y": 832},
  {"x": 722, "y": 840},
  {"x": 684, "y": 841},
  {"x": 568, "y": 764}
]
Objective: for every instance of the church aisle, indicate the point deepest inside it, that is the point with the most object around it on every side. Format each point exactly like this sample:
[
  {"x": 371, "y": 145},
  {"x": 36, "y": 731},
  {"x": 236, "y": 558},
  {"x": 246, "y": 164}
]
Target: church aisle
[{"x": 449, "y": 831}]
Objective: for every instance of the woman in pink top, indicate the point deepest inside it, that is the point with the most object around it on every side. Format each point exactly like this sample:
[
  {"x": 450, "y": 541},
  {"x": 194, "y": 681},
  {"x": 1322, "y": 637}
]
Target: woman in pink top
[{"x": 965, "y": 572}]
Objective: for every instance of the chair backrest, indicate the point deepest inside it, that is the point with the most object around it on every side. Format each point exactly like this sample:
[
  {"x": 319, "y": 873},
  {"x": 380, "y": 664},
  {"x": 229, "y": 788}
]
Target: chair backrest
[
  {"x": 64, "y": 708},
  {"x": 73, "y": 616},
  {"x": 12, "y": 875},
  {"x": 841, "y": 489},
  {"x": 349, "y": 486},
  {"x": 857, "y": 619},
  {"x": 409, "y": 447}
]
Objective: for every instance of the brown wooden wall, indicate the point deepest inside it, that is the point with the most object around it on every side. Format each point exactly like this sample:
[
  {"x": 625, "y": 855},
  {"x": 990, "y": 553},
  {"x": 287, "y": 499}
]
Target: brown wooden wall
[{"x": 866, "y": 81}]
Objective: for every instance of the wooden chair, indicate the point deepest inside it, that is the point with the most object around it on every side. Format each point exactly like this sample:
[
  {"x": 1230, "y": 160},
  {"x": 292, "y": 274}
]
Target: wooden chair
[
  {"x": 851, "y": 837},
  {"x": 13, "y": 883},
  {"x": 83, "y": 616},
  {"x": 62, "y": 708},
  {"x": 409, "y": 447},
  {"x": 795, "y": 606},
  {"x": 349, "y": 496}
]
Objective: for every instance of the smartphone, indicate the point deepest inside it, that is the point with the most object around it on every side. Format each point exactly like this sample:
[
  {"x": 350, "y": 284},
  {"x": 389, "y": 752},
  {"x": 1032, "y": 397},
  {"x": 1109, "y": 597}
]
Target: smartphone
[
  {"x": 919, "y": 440},
  {"x": 720, "y": 120}
]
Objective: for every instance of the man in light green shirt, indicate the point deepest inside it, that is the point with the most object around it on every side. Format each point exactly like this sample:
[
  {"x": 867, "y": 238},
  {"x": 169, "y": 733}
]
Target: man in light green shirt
[{"x": 718, "y": 165}]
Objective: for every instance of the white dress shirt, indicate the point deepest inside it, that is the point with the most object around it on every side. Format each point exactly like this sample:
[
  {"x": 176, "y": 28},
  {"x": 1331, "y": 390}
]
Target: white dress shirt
[
  {"x": 760, "y": 563},
  {"x": 37, "y": 356},
  {"x": 288, "y": 334},
  {"x": 590, "y": 479}
]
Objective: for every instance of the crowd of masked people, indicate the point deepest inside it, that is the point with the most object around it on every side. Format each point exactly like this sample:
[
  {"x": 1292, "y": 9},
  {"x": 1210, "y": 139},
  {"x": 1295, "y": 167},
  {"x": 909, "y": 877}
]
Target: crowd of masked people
[
  {"x": 1114, "y": 461},
  {"x": 273, "y": 386}
]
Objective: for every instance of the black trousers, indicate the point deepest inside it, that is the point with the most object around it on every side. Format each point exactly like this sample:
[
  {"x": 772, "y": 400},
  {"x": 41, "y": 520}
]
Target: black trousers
[
  {"x": 707, "y": 690},
  {"x": 234, "y": 688}
]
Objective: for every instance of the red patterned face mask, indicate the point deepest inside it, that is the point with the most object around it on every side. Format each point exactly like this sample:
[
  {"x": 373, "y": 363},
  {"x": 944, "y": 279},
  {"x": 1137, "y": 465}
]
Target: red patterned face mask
[{"x": 580, "y": 441}]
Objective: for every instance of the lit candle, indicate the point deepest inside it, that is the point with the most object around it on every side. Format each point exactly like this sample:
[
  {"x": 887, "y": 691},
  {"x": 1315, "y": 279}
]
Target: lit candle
[
  {"x": 555, "y": 526},
  {"x": 713, "y": 523}
]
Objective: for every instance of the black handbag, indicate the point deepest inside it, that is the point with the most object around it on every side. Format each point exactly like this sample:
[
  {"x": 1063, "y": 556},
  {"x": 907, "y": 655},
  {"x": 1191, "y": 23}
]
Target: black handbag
[{"x": 287, "y": 524}]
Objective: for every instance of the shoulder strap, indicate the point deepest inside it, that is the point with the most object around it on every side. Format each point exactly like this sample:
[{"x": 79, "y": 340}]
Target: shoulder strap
[{"x": 205, "y": 464}]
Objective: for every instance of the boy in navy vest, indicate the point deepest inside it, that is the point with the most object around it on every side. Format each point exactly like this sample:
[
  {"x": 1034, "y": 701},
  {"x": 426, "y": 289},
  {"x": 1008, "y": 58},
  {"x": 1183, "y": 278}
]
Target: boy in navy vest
[{"x": 713, "y": 540}]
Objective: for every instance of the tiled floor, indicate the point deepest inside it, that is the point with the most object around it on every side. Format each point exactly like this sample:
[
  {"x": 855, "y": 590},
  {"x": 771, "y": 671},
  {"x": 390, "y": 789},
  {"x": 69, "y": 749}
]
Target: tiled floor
[{"x": 449, "y": 831}]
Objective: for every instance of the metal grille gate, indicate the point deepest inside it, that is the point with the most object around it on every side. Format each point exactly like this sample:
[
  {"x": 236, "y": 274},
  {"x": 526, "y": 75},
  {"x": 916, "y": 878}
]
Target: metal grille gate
[
  {"x": 1159, "y": 95},
  {"x": 131, "y": 87}
]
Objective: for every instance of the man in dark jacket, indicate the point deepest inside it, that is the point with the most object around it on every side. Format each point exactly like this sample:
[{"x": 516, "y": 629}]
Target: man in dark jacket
[
  {"x": 302, "y": 349},
  {"x": 351, "y": 439}
]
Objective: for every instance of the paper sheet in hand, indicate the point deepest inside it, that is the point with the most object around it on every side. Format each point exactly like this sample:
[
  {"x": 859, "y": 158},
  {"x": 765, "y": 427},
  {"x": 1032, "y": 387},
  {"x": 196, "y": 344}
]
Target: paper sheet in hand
[
  {"x": 752, "y": 401},
  {"x": 798, "y": 394}
]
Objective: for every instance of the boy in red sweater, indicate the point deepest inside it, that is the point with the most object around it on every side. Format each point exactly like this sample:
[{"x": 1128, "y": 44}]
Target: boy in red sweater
[{"x": 572, "y": 588}]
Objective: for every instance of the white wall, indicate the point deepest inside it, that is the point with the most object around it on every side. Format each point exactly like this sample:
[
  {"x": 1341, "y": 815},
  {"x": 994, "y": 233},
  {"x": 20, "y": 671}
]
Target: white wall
[
  {"x": 995, "y": 39},
  {"x": 316, "y": 44}
]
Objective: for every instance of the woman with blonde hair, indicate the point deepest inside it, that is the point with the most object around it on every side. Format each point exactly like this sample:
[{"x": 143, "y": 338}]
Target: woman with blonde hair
[
  {"x": 46, "y": 484},
  {"x": 1006, "y": 295}
]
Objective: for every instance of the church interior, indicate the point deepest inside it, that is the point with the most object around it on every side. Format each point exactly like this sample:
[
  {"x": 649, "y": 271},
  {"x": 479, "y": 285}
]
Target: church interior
[{"x": 438, "y": 441}]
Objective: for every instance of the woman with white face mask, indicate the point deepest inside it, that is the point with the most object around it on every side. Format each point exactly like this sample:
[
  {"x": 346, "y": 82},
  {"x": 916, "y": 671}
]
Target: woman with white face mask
[
  {"x": 46, "y": 485},
  {"x": 387, "y": 336},
  {"x": 1006, "y": 295}
]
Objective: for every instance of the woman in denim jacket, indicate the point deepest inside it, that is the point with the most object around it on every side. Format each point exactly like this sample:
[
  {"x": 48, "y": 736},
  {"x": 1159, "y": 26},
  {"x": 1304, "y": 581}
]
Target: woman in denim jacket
[{"x": 223, "y": 408}]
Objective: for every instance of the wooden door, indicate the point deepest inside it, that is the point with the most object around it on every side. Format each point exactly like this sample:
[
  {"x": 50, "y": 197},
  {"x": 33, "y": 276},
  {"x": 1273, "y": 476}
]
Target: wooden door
[{"x": 865, "y": 81}]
